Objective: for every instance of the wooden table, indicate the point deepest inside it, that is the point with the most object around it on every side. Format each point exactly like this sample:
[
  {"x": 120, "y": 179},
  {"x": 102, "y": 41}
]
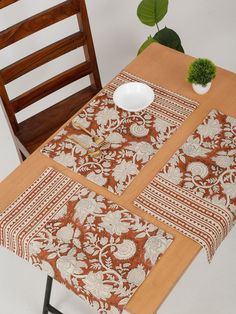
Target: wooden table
[{"x": 167, "y": 68}]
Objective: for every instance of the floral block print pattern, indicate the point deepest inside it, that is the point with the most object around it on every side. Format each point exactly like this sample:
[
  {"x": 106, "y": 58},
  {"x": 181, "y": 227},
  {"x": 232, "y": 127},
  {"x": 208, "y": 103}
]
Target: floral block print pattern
[
  {"x": 94, "y": 247},
  {"x": 195, "y": 192},
  {"x": 134, "y": 137}
]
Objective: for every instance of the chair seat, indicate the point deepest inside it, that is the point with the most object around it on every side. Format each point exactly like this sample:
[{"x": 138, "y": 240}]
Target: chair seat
[{"x": 37, "y": 129}]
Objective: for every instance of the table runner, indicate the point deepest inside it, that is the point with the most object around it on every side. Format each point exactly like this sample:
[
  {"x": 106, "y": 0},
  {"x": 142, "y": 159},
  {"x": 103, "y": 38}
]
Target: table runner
[
  {"x": 134, "y": 137},
  {"x": 94, "y": 247},
  {"x": 195, "y": 192}
]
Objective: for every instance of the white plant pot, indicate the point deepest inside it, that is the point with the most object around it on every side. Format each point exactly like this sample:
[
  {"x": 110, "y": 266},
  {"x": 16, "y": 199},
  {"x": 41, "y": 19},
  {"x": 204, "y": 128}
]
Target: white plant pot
[{"x": 199, "y": 89}]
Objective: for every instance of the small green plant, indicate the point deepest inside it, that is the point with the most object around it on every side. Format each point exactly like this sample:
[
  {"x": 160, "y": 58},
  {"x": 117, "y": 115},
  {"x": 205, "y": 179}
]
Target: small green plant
[
  {"x": 201, "y": 71},
  {"x": 151, "y": 12}
]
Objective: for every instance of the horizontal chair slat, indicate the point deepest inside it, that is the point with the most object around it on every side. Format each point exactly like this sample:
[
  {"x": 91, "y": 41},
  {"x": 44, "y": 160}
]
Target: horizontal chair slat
[
  {"x": 52, "y": 117},
  {"x": 42, "y": 56},
  {"x": 51, "y": 85},
  {"x": 38, "y": 22},
  {"x": 5, "y": 3}
]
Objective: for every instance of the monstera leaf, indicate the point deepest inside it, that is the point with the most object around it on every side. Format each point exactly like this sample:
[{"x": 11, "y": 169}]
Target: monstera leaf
[
  {"x": 151, "y": 12},
  {"x": 169, "y": 38}
]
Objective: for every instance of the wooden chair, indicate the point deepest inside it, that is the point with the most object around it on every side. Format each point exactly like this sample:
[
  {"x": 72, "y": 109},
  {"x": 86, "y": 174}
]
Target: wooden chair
[{"x": 32, "y": 132}]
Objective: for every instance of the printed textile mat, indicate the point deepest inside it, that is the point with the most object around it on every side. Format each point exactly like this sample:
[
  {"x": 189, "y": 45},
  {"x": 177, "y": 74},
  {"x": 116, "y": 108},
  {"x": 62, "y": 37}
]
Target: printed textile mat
[
  {"x": 195, "y": 192},
  {"x": 99, "y": 250},
  {"x": 134, "y": 137}
]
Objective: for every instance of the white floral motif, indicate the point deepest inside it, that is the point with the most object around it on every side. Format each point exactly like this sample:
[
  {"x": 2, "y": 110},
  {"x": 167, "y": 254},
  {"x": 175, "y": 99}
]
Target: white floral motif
[
  {"x": 231, "y": 120},
  {"x": 161, "y": 125},
  {"x": 193, "y": 148},
  {"x": 106, "y": 115},
  {"x": 70, "y": 266},
  {"x": 95, "y": 252},
  {"x": 210, "y": 129},
  {"x": 124, "y": 170},
  {"x": 230, "y": 189},
  {"x": 116, "y": 139},
  {"x": 113, "y": 223},
  {"x": 216, "y": 200},
  {"x": 143, "y": 150},
  {"x": 81, "y": 121},
  {"x": 61, "y": 133},
  {"x": 61, "y": 212},
  {"x": 119, "y": 163},
  {"x": 94, "y": 284},
  {"x": 197, "y": 168},
  {"x": 65, "y": 233},
  {"x": 138, "y": 130},
  {"x": 35, "y": 247},
  {"x": 97, "y": 178},
  {"x": 172, "y": 174},
  {"x": 209, "y": 158},
  {"x": 49, "y": 148},
  {"x": 125, "y": 250},
  {"x": 87, "y": 206},
  {"x": 65, "y": 159},
  {"x": 223, "y": 161},
  {"x": 155, "y": 246},
  {"x": 136, "y": 276}
]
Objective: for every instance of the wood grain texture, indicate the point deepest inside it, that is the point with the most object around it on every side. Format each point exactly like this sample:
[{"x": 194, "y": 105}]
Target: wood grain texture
[
  {"x": 89, "y": 50},
  {"x": 42, "y": 56},
  {"x": 54, "y": 117},
  {"x": 51, "y": 86},
  {"x": 83, "y": 38},
  {"x": 167, "y": 68},
  {"x": 7, "y": 105},
  {"x": 5, "y": 3},
  {"x": 37, "y": 22}
]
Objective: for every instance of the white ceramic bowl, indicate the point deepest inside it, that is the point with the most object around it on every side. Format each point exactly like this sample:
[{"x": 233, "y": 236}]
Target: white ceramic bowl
[{"x": 133, "y": 96}]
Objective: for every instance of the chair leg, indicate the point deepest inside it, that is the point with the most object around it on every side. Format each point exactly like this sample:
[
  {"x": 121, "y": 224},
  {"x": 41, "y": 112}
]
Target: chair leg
[
  {"x": 47, "y": 308},
  {"x": 22, "y": 156}
]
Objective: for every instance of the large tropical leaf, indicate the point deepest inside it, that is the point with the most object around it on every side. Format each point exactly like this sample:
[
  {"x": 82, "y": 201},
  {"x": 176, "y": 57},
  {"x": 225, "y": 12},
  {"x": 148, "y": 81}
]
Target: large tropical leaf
[
  {"x": 169, "y": 38},
  {"x": 151, "y": 12},
  {"x": 146, "y": 44},
  {"x": 179, "y": 48}
]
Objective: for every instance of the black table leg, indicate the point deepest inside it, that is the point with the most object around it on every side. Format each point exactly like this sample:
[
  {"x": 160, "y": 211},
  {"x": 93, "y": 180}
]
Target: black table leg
[{"x": 47, "y": 308}]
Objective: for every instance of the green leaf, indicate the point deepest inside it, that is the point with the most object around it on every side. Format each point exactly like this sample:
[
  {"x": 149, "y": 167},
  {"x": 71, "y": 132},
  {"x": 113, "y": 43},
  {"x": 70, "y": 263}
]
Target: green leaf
[
  {"x": 169, "y": 38},
  {"x": 151, "y": 12},
  {"x": 179, "y": 48},
  {"x": 146, "y": 44}
]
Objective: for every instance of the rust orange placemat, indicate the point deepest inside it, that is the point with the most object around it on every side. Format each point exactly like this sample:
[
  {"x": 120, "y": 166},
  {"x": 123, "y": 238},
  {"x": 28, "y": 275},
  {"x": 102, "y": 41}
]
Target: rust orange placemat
[
  {"x": 134, "y": 137},
  {"x": 196, "y": 190},
  {"x": 94, "y": 247}
]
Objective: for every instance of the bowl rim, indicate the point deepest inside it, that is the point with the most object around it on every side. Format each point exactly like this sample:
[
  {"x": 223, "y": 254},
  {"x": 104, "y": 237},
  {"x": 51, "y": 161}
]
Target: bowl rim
[{"x": 120, "y": 88}]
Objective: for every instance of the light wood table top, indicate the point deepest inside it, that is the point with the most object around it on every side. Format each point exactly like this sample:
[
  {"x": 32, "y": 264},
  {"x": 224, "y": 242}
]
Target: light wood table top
[{"x": 167, "y": 68}]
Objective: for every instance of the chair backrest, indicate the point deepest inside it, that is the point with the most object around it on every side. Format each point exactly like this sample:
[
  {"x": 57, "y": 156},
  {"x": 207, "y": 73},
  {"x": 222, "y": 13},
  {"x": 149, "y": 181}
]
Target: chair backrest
[{"x": 82, "y": 38}]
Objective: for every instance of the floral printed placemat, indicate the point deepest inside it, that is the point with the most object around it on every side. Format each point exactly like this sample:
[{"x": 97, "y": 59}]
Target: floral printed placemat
[
  {"x": 134, "y": 137},
  {"x": 195, "y": 192},
  {"x": 94, "y": 247}
]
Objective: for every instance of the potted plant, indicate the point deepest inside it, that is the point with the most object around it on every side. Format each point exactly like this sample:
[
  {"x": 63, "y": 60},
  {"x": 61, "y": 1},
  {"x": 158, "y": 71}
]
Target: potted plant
[{"x": 201, "y": 73}]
